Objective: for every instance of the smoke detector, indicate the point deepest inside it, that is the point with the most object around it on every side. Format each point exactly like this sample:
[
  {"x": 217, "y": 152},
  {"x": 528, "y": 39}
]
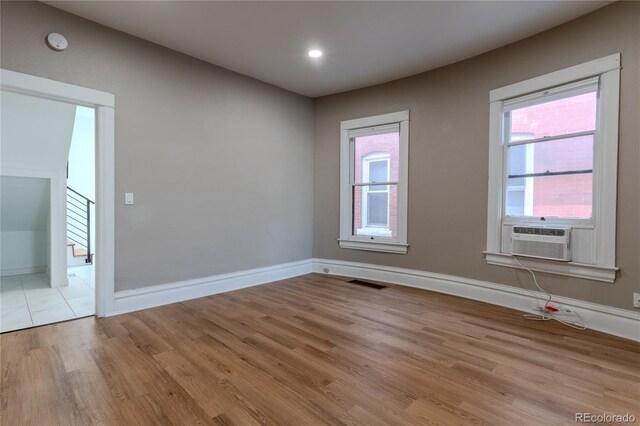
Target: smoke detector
[{"x": 57, "y": 42}]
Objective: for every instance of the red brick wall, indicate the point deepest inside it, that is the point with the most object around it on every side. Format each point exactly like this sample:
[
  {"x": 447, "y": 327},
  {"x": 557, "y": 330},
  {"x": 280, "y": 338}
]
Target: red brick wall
[{"x": 387, "y": 143}]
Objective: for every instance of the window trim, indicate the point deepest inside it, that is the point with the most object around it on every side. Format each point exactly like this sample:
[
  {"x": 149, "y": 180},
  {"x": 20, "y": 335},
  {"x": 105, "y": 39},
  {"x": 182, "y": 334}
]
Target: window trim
[
  {"x": 605, "y": 168},
  {"x": 377, "y": 243},
  {"x": 562, "y": 92},
  {"x": 366, "y": 164}
]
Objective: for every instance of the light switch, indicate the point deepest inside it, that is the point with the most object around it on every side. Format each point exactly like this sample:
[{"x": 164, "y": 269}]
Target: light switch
[{"x": 128, "y": 197}]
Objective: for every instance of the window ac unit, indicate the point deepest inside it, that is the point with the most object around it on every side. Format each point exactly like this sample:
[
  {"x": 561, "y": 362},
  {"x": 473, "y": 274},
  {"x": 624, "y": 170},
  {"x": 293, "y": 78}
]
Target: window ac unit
[{"x": 552, "y": 243}]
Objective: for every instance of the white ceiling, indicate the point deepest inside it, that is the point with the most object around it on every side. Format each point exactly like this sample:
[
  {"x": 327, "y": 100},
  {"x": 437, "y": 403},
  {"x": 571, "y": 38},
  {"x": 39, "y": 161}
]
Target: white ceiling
[{"x": 364, "y": 42}]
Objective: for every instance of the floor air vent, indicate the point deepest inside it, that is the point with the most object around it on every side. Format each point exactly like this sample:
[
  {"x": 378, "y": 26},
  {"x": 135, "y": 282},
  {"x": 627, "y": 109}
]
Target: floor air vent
[{"x": 367, "y": 284}]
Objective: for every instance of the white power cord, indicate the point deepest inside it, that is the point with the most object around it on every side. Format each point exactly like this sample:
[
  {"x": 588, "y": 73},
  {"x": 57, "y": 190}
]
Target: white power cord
[{"x": 581, "y": 325}]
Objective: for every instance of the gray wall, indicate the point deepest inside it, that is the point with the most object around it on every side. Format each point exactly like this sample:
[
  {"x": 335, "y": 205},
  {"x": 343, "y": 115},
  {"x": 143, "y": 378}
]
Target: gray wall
[
  {"x": 448, "y": 164},
  {"x": 223, "y": 165},
  {"x": 220, "y": 164}
]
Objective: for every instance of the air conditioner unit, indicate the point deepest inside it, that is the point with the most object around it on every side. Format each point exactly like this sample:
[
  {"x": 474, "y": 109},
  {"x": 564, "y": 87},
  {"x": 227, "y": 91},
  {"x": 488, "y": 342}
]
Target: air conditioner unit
[{"x": 542, "y": 242}]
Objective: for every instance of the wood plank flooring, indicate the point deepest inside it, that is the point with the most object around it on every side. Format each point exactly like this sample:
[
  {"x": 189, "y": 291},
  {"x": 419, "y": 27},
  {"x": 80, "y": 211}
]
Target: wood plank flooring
[{"x": 315, "y": 350}]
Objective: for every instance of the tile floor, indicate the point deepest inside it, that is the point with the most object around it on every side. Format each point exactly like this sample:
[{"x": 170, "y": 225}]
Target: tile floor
[{"x": 27, "y": 300}]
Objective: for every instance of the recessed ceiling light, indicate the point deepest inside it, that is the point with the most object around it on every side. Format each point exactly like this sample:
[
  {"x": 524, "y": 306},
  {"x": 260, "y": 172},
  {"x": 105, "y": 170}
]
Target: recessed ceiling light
[{"x": 315, "y": 53}]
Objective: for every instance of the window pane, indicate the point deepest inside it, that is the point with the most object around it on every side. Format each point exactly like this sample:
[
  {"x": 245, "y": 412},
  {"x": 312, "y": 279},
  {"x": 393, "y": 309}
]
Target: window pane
[
  {"x": 517, "y": 164},
  {"x": 375, "y": 210},
  {"x": 378, "y": 170},
  {"x": 370, "y": 149},
  {"x": 515, "y": 202},
  {"x": 378, "y": 209},
  {"x": 565, "y": 195},
  {"x": 559, "y": 117},
  {"x": 560, "y": 155}
]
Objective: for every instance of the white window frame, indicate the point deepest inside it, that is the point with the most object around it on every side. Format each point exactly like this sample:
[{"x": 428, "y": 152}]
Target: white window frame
[
  {"x": 382, "y": 243},
  {"x": 528, "y": 185},
  {"x": 379, "y": 230},
  {"x": 562, "y": 92},
  {"x": 605, "y": 170}
]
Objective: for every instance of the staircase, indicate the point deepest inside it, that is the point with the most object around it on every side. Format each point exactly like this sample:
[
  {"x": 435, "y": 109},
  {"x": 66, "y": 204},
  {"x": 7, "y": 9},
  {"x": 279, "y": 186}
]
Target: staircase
[{"x": 79, "y": 225}]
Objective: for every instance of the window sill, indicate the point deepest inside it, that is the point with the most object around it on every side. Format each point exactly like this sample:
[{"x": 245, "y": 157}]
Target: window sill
[
  {"x": 376, "y": 232},
  {"x": 570, "y": 269},
  {"x": 374, "y": 246}
]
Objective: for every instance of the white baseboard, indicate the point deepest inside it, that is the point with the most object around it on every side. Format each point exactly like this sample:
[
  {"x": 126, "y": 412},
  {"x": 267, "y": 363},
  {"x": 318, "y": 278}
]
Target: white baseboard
[
  {"x": 615, "y": 321},
  {"x": 619, "y": 322},
  {"x": 164, "y": 294},
  {"x": 22, "y": 271}
]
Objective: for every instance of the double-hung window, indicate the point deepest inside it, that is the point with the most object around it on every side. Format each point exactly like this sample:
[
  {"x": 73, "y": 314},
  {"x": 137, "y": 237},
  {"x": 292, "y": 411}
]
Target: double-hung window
[
  {"x": 553, "y": 162},
  {"x": 373, "y": 193},
  {"x": 548, "y": 148}
]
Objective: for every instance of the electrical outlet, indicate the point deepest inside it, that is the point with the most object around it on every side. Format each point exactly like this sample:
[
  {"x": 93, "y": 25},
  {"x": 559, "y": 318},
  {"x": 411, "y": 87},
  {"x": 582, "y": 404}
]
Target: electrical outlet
[
  {"x": 636, "y": 300},
  {"x": 325, "y": 270}
]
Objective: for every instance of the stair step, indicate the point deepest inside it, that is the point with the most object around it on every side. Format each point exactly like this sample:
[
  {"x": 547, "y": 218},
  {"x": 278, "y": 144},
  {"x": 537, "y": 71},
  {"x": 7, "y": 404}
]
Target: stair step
[{"x": 77, "y": 252}]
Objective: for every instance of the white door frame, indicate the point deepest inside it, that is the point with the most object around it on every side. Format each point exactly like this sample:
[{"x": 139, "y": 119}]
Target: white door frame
[{"x": 104, "y": 103}]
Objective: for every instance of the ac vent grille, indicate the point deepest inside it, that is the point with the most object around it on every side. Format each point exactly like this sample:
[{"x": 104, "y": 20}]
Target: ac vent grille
[
  {"x": 538, "y": 249},
  {"x": 541, "y": 242},
  {"x": 539, "y": 231}
]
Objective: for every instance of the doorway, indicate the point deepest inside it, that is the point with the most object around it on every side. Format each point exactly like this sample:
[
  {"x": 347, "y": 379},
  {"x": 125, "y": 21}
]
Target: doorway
[
  {"x": 47, "y": 136},
  {"x": 75, "y": 160}
]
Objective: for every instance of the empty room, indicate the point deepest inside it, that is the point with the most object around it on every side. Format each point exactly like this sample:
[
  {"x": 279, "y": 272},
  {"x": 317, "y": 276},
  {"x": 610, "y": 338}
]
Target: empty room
[{"x": 319, "y": 212}]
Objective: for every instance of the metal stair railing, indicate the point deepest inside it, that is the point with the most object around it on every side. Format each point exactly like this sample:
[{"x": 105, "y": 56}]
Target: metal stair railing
[{"x": 79, "y": 221}]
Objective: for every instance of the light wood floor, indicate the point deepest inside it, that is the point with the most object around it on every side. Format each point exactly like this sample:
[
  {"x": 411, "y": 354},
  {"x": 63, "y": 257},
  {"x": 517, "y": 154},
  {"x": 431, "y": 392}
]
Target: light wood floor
[{"x": 315, "y": 350}]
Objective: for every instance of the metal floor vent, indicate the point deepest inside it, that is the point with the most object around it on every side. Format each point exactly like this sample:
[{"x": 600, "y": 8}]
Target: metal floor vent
[{"x": 367, "y": 284}]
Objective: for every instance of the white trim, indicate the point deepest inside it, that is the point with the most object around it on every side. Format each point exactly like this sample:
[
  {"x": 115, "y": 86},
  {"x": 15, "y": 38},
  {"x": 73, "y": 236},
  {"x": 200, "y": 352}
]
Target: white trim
[
  {"x": 379, "y": 231},
  {"x": 22, "y": 271},
  {"x": 604, "y": 168},
  {"x": 570, "y": 269},
  {"x": 31, "y": 85},
  {"x": 496, "y": 179},
  {"x": 374, "y": 245},
  {"x": 366, "y": 189},
  {"x": 403, "y": 184},
  {"x": 158, "y": 295},
  {"x": 528, "y": 182},
  {"x": 104, "y": 103},
  {"x": 105, "y": 210},
  {"x": 556, "y": 78},
  {"x": 375, "y": 130},
  {"x": 564, "y": 91},
  {"x": 375, "y": 120},
  {"x": 615, "y": 321}
]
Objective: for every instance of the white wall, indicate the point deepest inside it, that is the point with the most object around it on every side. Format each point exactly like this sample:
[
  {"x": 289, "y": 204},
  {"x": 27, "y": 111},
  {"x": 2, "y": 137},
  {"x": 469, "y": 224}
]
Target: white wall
[
  {"x": 24, "y": 225},
  {"x": 23, "y": 252},
  {"x": 82, "y": 154},
  {"x": 35, "y": 133},
  {"x": 35, "y": 138}
]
